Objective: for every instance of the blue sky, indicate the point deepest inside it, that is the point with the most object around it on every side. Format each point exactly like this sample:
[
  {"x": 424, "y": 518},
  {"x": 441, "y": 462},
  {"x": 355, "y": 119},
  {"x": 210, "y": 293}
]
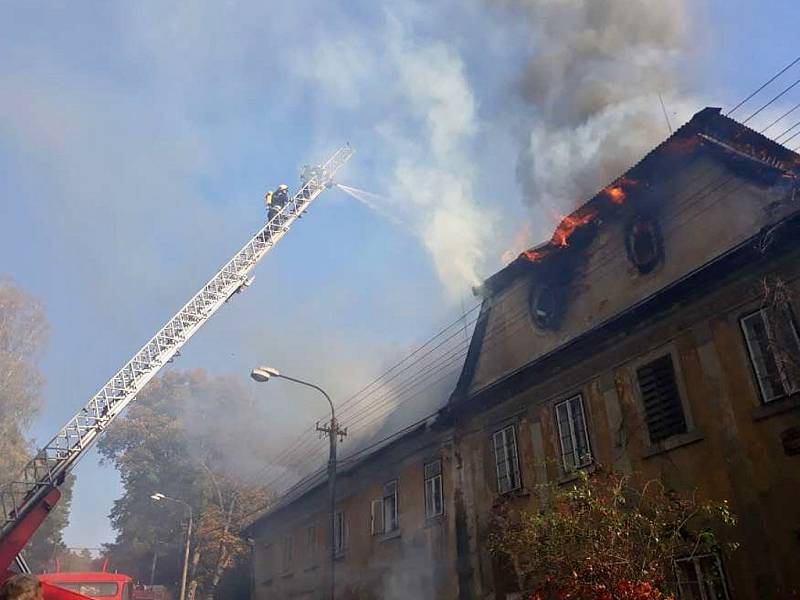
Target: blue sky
[{"x": 137, "y": 140}]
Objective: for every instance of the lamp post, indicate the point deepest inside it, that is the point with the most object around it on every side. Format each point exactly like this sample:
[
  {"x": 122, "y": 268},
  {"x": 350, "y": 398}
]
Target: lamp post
[
  {"x": 158, "y": 497},
  {"x": 334, "y": 432}
]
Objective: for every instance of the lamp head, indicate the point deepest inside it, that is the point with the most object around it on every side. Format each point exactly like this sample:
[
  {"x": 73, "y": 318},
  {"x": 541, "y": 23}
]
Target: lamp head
[{"x": 262, "y": 374}]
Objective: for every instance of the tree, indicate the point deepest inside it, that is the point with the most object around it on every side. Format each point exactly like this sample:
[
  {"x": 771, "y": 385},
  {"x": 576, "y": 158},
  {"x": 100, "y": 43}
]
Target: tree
[
  {"x": 23, "y": 339},
  {"x": 176, "y": 439},
  {"x": 606, "y": 539}
]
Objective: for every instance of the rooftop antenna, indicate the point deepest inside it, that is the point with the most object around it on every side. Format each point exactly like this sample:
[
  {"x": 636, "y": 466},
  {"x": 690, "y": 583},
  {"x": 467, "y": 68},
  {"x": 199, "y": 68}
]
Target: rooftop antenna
[{"x": 666, "y": 117}]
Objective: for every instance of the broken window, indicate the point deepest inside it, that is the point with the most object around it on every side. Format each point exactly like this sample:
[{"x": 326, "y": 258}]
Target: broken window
[
  {"x": 434, "y": 504},
  {"x": 643, "y": 243},
  {"x": 544, "y": 307},
  {"x": 506, "y": 460},
  {"x": 573, "y": 437},
  {"x": 340, "y": 533},
  {"x": 774, "y": 349},
  {"x": 662, "y": 401},
  {"x": 701, "y": 578}
]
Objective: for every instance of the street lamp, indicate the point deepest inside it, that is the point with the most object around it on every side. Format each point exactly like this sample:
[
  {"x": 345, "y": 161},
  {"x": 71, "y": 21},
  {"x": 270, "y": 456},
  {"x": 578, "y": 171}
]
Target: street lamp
[
  {"x": 333, "y": 431},
  {"x": 158, "y": 497}
]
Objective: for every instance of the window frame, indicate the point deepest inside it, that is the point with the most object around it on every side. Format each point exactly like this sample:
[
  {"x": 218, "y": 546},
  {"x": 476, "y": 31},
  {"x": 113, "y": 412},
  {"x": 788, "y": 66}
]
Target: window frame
[
  {"x": 785, "y": 379},
  {"x": 677, "y": 369},
  {"x": 393, "y": 523},
  {"x": 311, "y": 544},
  {"x": 341, "y": 533},
  {"x": 695, "y": 561},
  {"x": 588, "y": 458},
  {"x": 432, "y": 484},
  {"x": 515, "y": 484},
  {"x": 288, "y": 553}
]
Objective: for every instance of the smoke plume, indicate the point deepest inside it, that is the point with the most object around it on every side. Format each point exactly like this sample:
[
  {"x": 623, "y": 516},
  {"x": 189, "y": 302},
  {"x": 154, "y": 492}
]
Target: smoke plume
[{"x": 592, "y": 91}]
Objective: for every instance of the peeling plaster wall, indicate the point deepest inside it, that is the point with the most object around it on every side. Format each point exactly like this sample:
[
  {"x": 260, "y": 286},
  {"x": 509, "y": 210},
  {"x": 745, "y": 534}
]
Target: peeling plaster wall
[{"x": 733, "y": 450}]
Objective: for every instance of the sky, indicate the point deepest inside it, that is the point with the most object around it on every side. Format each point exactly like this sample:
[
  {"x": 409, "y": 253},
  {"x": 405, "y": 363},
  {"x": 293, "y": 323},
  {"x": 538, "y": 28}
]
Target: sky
[{"x": 137, "y": 141}]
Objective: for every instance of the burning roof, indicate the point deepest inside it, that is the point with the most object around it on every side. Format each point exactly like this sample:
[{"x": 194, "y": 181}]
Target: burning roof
[{"x": 708, "y": 130}]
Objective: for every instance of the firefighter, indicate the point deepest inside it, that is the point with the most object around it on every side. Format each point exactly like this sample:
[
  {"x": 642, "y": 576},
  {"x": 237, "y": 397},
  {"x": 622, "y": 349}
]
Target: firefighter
[
  {"x": 268, "y": 199},
  {"x": 281, "y": 197}
]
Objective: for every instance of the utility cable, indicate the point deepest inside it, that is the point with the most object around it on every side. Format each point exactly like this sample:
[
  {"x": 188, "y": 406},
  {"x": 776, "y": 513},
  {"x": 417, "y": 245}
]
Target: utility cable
[{"x": 773, "y": 78}]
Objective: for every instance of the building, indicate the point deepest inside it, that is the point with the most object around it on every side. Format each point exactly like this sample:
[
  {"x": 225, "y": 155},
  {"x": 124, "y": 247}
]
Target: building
[{"x": 654, "y": 334}]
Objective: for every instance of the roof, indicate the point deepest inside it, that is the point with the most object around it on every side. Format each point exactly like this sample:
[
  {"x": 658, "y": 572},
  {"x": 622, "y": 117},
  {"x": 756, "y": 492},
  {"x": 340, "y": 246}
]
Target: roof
[{"x": 708, "y": 128}]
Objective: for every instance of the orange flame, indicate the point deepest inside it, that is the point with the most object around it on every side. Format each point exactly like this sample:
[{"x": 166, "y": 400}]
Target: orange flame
[
  {"x": 616, "y": 191},
  {"x": 534, "y": 255},
  {"x": 569, "y": 224}
]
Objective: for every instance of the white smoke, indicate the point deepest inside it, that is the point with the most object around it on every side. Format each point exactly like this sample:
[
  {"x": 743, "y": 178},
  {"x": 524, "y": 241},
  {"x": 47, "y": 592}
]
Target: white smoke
[
  {"x": 592, "y": 91},
  {"x": 433, "y": 179}
]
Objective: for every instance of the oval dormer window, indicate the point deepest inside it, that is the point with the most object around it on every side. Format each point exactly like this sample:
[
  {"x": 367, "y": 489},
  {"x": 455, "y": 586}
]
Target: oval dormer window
[
  {"x": 643, "y": 243},
  {"x": 544, "y": 306}
]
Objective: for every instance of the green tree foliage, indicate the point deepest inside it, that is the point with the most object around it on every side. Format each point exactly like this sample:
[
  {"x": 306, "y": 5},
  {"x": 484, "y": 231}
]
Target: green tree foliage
[
  {"x": 176, "y": 439},
  {"x": 23, "y": 338},
  {"x": 604, "y": 538},
  {"x": 24, "y": 332}
]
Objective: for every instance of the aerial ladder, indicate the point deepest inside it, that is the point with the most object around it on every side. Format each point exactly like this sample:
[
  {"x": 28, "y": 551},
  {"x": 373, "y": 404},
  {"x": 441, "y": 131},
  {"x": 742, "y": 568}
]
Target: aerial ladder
[{"x": 25, "y": 502}]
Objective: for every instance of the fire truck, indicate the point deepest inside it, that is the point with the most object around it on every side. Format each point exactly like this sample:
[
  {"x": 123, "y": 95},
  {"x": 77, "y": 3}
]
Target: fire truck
[{"x": 25, "y": 502}]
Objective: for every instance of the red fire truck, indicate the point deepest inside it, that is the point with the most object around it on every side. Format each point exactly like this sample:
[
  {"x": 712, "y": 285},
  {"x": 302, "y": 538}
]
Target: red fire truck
[
  {"x": 26, "y": 502},
  {"x": 99, "y": 585}
]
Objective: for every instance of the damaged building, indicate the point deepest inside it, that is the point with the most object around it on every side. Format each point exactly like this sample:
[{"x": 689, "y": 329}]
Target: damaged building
[{"x": 654, "y": 335}]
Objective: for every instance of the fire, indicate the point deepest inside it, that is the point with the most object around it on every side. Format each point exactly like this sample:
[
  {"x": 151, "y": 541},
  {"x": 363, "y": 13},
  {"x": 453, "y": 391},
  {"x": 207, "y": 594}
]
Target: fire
[
  {"x": 534, "y": 255},
  {"x": 569, "y": 224},
  {"x": 616, "y": 191}
]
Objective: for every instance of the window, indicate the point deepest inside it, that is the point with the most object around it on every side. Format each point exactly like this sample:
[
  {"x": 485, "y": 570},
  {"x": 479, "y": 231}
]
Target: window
[
  {"x": 340, "y": 533},
  {"x": 544, "y": 306},
  {"x": 99, "y": 589},
  {"x": 701, "y": 578},
  {"x": 774, "y": 350},
  {"x": 376, "y": 517},
  {"x": 268, "y": 563},
  {"x": 662, "y": 402},
  {"x": 383, "y": 517},
  {"x": 506, "y": 460},
  {"x": 643, "y": 243},
  {"x": 311, "y": 543},
  {"x": 434, "y": 504},
  {"x": 573, "y": 438},
  {"x": 288, "y": 551}
]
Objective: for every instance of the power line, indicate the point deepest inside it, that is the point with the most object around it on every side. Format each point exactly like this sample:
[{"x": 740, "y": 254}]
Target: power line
[
  {"x": 786, "y": 114},
  {"x": 785, "y": 90},
  {"x": 773, "y": 78}
]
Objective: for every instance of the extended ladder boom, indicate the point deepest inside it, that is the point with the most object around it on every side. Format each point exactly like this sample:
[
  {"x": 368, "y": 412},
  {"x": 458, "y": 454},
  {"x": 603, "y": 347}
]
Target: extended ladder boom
[{"x": 50, "y": 465}]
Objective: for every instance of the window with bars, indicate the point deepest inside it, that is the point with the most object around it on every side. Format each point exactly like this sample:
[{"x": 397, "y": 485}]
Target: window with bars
[
  {"x": 506, "y": 460},
  {"x": 774, "y": 349},
  {"x": 701, "y": 578},
  {"x": 662, "y": 401},
  {"x": 573, "y": 436},
  {"x": 340, "y": 533},
  {"x": 434, "y": 503}
]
